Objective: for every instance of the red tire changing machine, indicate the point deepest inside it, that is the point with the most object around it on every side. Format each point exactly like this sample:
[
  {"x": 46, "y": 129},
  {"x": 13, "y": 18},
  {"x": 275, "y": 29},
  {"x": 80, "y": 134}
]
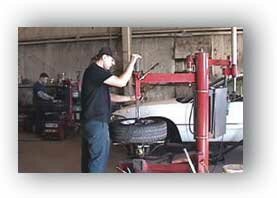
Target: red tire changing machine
[{"x": 198, "y": 65}]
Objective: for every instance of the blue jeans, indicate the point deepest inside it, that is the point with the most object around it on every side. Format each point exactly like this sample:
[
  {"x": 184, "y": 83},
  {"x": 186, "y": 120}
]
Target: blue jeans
[{"x": 95, "y": 146}]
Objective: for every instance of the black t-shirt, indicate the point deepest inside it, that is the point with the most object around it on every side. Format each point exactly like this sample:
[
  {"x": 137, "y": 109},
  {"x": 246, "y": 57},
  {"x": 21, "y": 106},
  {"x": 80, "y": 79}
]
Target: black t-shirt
[{"x": 95, "y": 95}]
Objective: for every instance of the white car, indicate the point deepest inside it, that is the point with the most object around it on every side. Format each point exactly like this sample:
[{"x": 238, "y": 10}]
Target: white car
[{"x": 179, "y": 114}]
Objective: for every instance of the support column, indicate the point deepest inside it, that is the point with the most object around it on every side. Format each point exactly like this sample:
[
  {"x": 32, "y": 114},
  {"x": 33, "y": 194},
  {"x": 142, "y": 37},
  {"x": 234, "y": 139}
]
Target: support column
[
  {"x": 234, "y": 57},
  {"x": 126, "y": 33}
]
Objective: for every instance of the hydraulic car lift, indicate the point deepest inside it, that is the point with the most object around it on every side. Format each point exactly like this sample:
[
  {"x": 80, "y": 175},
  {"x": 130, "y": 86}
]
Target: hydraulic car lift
[{"x": 198, "y": 66}]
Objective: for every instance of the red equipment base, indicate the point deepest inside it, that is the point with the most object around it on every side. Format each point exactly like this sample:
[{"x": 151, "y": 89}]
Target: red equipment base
[{"x": 145, "y": 167}]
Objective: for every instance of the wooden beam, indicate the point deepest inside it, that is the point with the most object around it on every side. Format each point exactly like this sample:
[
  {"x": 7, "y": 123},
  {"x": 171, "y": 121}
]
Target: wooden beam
[{"x": 126, "y": 33}]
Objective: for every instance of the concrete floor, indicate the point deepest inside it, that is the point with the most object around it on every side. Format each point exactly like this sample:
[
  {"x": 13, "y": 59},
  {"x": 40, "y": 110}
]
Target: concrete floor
[{"x": 43, "y": 156}]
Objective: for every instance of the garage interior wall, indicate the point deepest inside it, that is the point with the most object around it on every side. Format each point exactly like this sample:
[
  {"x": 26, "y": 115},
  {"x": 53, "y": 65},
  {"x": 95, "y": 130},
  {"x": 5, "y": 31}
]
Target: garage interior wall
[{"x": 56, "y": 50}]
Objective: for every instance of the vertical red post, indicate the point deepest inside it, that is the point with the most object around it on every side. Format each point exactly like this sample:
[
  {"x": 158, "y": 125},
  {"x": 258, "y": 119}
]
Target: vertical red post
[{"x": 202, "y": 111}]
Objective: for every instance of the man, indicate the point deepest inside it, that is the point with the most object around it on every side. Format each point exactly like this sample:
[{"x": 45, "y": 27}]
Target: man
[
  {"x": 40, "y": 97},
  {"x": 96, "y": 107}
]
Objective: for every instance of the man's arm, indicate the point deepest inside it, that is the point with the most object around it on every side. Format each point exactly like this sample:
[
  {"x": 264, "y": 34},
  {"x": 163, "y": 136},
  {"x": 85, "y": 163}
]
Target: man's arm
[
  {"x": 44, "y": 96},
  {"x": 123, "y": 79},
  {"x": 121, "y": 98}
]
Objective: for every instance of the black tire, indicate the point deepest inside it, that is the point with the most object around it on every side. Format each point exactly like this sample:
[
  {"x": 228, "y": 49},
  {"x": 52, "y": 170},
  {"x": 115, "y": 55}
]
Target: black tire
[
  {"x": 145, "y": 130},
  {"x": 173, "y": 134}
]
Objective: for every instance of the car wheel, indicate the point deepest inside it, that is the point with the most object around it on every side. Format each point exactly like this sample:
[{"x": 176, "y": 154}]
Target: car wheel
[{"x": 144, "y": 130}]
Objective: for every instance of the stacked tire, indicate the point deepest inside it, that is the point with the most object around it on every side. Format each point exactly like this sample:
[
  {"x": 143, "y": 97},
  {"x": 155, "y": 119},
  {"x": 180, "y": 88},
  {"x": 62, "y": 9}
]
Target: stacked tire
[{"x": 144, "y": 130}]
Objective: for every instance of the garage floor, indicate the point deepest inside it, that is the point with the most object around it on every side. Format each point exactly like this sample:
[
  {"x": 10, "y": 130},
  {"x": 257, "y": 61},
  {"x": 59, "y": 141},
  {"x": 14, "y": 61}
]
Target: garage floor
[{"x": 42, "y": 156}]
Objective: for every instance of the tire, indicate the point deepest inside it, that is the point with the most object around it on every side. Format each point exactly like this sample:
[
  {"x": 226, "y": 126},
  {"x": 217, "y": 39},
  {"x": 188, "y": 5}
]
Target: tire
[
  {"x": 145, "y": 130},
  {"x": 173, "y": 134}
]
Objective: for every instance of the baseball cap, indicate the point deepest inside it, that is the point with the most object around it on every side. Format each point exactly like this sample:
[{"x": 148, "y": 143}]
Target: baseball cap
[{"x": 105, "y": 50}]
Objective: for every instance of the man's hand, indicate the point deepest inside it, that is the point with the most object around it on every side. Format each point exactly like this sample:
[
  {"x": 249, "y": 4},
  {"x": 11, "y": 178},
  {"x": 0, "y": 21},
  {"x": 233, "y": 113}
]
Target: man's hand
[
  {"x": 121, "y": 98},
  {"x": 135, "y": 57},
  {"x": 133, "y": 98}
]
